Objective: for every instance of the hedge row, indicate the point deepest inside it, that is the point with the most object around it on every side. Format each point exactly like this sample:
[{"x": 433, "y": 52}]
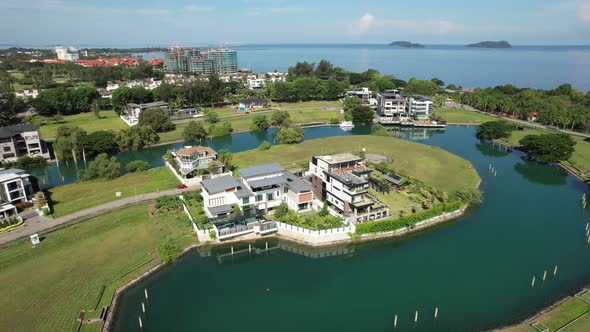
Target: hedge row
[{"x": 406, "y": 221}]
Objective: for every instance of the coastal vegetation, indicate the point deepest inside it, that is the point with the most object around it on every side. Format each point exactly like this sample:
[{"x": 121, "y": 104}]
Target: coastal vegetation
[
  {"x": 75, "y": 275},
  {"x": 491, "y": 44},
  {"x": 81, "y": 195},
  {"x": 406, "y": 44},
  {"x": 548, "y": 148},
  {"x": 494, "y": 130}
]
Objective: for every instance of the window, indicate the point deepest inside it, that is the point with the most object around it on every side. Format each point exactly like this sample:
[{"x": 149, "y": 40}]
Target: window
[
  {"x": 258, "y": 198},
  {"x": 269, "y": 197},
  {"x": 7, "y": 149},
  {"x": 245, "y": 200}
]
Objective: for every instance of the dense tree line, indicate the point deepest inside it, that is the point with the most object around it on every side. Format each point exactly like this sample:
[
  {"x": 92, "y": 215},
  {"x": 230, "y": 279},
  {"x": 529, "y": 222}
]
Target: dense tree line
[
  {"x": 562, "y": 107},
  {"x": 65, "y": 101}
]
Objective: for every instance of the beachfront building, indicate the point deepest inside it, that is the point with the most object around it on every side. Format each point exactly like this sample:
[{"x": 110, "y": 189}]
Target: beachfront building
[
  {"x": 342, "y": 180},
  {"x": 254, "y": 103},
  {"x": 391, "y": 107},
  {"x": 15, "y": 187},
  {"x": 202, "y": 62},
  {"x": 131, "y": 116},
  {"x": 364, "y": 94},
  {"x": 419, "y": 107},
  {"x": 67, "y": 54},
  {"x": 194, "y": 158},
  {"x": 21, "y": 140}
]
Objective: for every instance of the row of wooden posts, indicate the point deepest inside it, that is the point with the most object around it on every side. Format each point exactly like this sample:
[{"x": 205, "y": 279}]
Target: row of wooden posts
[
  {"x": 544, "y": 276},
  {"x": 415, "y": 317},
  {"x": 492, "y": 170},
  {"x": 143, "y": 307}
]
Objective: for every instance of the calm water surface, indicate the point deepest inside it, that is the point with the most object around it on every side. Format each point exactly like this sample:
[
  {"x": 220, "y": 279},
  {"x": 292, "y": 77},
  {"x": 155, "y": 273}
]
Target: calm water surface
[{"x": 477, "y": 269}]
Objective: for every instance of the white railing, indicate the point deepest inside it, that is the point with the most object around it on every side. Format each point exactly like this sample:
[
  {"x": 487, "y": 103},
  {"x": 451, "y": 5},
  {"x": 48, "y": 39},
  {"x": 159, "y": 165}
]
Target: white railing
[
  {"x": 324, "y": 232},
  {"x": 419, "y": 224},
  {"x": 200, "y": 232}
]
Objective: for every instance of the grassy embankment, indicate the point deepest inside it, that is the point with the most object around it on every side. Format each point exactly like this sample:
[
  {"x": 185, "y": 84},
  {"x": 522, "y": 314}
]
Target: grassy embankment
[
  {"x": 43, "y": 288},
  {"x": 560, "y": 316},
  {"x": 81, "y": 195},
  {"x": 579, "y": 162},
  {"x": 302, "y": 112},
  {"x": 429, "y": 164}
]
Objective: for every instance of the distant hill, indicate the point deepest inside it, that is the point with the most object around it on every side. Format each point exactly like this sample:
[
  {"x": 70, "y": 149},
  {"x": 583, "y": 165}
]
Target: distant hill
[
  {"x": 406, "y": 44},
  {"x": 491, "y": 44}
]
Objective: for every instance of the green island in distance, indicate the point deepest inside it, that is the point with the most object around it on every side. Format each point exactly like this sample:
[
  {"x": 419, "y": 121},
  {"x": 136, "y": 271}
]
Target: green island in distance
[
  {"x": 491, "y": 44},
  {"x": 406, "y": 44}
]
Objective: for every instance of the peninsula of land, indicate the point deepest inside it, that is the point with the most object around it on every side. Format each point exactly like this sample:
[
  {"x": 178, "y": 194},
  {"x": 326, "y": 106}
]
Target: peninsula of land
[
  {"x": 491, "y": 44},
  {"x": 406, "y": 44}
]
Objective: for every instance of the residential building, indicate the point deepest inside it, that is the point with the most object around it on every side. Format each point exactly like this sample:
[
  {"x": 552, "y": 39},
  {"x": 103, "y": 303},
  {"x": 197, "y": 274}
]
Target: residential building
[
  {"x": 391, "y": 107},
  {"x": 67, "y": 54},
  {"x": 250, "y": 104},
  {"x": 16, "y": 186},
  {"x": 342, "y": 180},
  {"x": 194, "y": 158},
  {"x": 419, "y": 107},
  {"x": 207, "y": 61},
  {"x": 364, "y": 94},
  {"x": 21, "y": 140},
  {"x": 131, "y": 117},
  {"x": 27, "y": 94},
  {"x": 111, "y": 86},
  {"x": 271, "y": 185}
]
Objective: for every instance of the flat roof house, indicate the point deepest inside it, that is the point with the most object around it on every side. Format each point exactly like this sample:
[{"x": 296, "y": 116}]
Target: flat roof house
[
  {"x": 364, "y": 94},
  {"x": 343, "y": 181},
  {"x": 249, "y": 104},
  {"x": 21, "y": 140},
  {"x": 419, "y": 107},
  {"x": 391, "y": 106},
  {"x": 134, "y": 110},
  {"x": 194, "y": 158},
  {"x": 15, "y": 187}
]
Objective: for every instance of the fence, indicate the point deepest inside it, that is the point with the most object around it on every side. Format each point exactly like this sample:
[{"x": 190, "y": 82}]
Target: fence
[
  {"x": 200, "y": 232},
  {"x": 193, "y": 181},
  {"x": 433, "y": 220},
  {"x": 331, "y": 231}
]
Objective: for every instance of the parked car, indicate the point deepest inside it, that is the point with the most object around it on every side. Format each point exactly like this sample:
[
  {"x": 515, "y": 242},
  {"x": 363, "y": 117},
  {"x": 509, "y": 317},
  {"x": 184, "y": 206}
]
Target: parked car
[{"x": 181, "y": 186}]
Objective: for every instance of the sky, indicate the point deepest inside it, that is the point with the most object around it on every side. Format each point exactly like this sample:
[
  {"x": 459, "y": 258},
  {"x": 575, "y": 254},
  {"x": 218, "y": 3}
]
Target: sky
[{"x": 136, "y": 23}]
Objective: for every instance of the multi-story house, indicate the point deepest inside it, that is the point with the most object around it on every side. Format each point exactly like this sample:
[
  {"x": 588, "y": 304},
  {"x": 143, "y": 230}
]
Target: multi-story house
[
  {"x": 343, "y": 181},
  {"x": 254, "y": 103},
  {"x": 21, "y": 140},
  {"x": 134, "y": 110},
  {"x": 15, "y": 187},
  {"x": 364, "y": 94},
  {"x": 419, "y": 107},
  {"x": 194, "y": 158},
  {"x": 391, "y": 107}
]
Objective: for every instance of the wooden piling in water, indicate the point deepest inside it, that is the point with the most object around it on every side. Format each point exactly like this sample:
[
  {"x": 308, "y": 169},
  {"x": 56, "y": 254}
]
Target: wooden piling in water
[
  {"x": 587, "y": 225},
  {"x": 395, "y": 321},
  {"x": 266, "y": 245},
  {"x": 146, "y": 294},
  {"x": 249, "y": 247},
  {"x": 232, "y": 250},
  {"x": 143, "y": 307},
  {"x": 533, "y": 282},
  {"x": 436, "y": 313},
  {"x": 140, "y": 323},
  {"x": 416, "y": 317},
  {"x": 544, "y": 275},
  {"x": 555, "y": 271}
]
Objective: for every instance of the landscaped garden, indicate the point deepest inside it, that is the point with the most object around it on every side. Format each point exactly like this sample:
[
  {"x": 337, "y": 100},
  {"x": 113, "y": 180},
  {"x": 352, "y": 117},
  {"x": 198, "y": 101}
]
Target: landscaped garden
[
  {"x": 310, "y": 220},
  {"x": 109, "y": 120}
]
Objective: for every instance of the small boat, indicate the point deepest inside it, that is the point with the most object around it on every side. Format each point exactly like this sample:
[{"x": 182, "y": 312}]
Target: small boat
[{"x": 346, "y": 124}]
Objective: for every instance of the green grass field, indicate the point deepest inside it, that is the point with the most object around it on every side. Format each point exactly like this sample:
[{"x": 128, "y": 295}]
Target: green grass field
[
  {"x": 242, "y": 123},
  {"x": 581, "y": 325},
  {"x": 462, "y": 116},
  {"x": 43, "y": 288},
  {"x": 310, "y": 104},
  {"x": 394, "y": 200},
  {"x": 564, "y": 313},
  {"x": 87, "y": 121},
  {"x": 429, "y": 164},
  {"x": 81, "y": 195}
]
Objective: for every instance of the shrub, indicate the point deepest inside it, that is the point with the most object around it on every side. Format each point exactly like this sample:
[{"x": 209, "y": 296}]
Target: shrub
[
  {"x": 281, "y": 210},
  {"x": 168, "y": 204},
  {"x": 169, "y": 251},
  {"x": 264, "y": 146},
  {"x": 212, "y": 235},
  {"x": 45, "y": 211},
  {"x": 102, "y": 167},
  {"x": 405, "y": 221},
  {"x": 471, "y": 196},
  {"x": 334, "y": 121},
  {"x": 137, "y": 166}
]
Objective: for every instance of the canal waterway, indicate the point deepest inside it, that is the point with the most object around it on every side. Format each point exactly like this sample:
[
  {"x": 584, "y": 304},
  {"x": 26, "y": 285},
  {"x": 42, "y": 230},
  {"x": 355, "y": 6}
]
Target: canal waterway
[{"x": 477, "y": 270}]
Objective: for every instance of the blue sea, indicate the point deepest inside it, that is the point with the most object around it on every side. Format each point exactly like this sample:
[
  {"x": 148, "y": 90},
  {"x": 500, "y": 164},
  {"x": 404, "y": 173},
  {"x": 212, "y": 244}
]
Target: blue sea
[{"x": 542, "y": 67}]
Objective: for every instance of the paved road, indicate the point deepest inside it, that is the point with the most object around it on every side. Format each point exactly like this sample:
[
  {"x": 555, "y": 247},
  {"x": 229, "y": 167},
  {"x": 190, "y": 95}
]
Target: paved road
[{"x": 36, "y": 224}]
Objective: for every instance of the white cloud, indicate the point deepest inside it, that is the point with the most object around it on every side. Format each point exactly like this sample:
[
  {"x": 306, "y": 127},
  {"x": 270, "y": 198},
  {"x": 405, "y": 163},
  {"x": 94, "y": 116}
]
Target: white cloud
[
  {"x": 363, "y": 25},
  {"x": 197, "y": 8}
]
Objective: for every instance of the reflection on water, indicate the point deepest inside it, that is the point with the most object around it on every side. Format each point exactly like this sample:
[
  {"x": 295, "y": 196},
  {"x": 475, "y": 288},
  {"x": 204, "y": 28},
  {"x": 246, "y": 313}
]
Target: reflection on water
[
  {"x": 413, "y": 134},
  {"x": 540, "y": 173},
  {"x": 492, "y": 150}
]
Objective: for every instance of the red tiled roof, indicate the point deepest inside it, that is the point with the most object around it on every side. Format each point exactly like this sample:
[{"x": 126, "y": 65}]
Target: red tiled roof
[{"x": 195, "y": 149}]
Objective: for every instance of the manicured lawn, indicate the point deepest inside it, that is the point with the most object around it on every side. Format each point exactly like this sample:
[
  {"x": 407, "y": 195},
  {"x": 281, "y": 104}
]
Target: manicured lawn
[
  {"x": 581, "y": 325},
  {"x": 462, "y": 116},
  {"x": 429, "y": 164},
  {"x": 43, "y": 288},
  {"x": 81, "y": 195},
  {"x": 242, "y": 123},
  {"x": 520, "y": 328},
  {"x": 311, "y": 104},
  {"x": 564, "y": 313},
  {"x": 394, "y": 200},
  {"x": 86, "y": 121}
]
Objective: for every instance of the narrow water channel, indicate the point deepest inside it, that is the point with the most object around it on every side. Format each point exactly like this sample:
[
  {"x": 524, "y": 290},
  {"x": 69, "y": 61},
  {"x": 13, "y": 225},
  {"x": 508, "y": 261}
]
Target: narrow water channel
[{"x": 477, "y": 270}]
